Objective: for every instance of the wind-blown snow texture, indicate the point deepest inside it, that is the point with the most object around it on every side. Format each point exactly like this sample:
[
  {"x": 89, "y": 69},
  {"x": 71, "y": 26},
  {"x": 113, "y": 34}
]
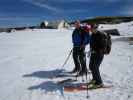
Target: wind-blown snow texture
[{"x": 30, "y": 59}]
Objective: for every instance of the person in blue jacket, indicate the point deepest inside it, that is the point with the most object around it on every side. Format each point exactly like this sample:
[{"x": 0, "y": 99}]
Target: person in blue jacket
[{"x": 80, "y": 38}]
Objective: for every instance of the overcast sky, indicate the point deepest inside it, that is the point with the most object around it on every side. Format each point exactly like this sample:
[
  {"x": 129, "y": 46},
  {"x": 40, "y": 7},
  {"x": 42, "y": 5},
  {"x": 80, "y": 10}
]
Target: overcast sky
[{"x": 31, "y": 12}]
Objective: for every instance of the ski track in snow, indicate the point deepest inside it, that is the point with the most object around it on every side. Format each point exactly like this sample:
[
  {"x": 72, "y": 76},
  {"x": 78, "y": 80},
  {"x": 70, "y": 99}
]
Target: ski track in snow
[{"x": 30, "y": 60}]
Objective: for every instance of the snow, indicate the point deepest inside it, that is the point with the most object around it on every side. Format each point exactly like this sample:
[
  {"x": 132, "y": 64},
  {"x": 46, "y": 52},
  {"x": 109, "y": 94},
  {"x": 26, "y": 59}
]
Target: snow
[
  {"x": 31, "y": 58},
  {"x": 123, "y": 28}
]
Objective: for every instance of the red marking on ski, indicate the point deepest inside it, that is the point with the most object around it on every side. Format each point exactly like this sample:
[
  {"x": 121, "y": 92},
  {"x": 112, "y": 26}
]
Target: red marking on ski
[{"x": 83, "y": 87}]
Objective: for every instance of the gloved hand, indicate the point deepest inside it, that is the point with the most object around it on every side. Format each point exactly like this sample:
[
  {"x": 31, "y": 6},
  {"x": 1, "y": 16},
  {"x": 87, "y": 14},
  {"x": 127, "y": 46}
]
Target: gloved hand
[
  {"x": 88, "y": 54},
  {"x": 82, "y": 46}
]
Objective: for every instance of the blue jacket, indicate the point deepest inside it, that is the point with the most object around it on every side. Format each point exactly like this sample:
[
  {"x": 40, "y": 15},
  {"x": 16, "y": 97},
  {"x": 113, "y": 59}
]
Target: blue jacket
[{"x": 80, "y": 37}]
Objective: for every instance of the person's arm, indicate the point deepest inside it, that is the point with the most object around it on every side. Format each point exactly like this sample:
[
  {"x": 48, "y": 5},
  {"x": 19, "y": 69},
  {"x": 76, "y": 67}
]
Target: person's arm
[
  {"x": 82, "y": 34},
  {"x": 73, "y": 36},
  {"x": 101, "y": 44}
]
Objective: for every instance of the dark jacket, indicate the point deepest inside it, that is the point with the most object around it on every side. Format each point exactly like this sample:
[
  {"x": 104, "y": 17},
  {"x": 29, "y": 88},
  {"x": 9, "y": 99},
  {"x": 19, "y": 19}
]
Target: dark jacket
[
  {"x": 96, "y": 43},
  {"x": 80, "y": 37}
]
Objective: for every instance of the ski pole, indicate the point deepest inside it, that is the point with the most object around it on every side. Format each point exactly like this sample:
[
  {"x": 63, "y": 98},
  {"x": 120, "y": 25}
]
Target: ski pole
[
  {"x": 67, "y": 59},
  {"x": 88, "y": 55},
  {"x": 87, "y": 84},
  {"x": 87, "y": 87}
]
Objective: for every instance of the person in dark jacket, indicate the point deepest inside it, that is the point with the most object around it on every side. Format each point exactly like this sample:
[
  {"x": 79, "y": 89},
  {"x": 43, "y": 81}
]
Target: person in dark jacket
[
  {"x": 96, "y": 58},
  {"x": 79, "y": 42}
]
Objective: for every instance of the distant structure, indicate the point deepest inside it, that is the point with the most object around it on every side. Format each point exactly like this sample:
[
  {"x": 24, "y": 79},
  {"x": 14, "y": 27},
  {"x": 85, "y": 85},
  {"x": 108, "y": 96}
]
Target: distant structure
[
  {"x": 8, "y": 30},
  {"x": 59, "y": 24},
  {"x": 112, "y": 32},
  {"x": 44, "y": 24}
]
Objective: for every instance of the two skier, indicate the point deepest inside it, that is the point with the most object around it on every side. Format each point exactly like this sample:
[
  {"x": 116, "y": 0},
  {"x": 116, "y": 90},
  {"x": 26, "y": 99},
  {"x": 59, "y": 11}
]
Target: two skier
[{"x": 99, "y": 45}]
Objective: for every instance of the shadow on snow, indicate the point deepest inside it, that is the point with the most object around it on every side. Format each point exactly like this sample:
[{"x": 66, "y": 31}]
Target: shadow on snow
[
  {"x": 48, "y": 87},
  {"x": 48, "y": 74},
  {"x": 51, "y": 86}
]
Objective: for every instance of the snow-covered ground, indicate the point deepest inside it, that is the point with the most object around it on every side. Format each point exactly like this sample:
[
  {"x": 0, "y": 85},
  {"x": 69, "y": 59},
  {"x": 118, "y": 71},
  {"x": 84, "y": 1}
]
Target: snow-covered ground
[
  {"x": 30, "y": 59},
  {"x": 123, "y": 28}
]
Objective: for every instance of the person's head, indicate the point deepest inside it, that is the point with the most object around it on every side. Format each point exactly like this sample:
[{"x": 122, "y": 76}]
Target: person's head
[
  {"x": 87, "y": 28},
  {"x": 77, "y": 24},
  {"x": 94, "y": 28}
]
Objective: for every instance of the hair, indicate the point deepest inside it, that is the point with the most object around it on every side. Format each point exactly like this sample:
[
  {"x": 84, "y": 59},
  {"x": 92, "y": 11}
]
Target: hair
[
  {"x": 77, "y": 21},
  {"x": 94, "y": 26}
]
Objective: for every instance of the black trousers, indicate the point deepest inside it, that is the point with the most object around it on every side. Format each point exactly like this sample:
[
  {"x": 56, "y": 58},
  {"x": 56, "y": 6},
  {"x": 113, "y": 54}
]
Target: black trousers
[
  {"x": 79, "y": 59},
  {"x": 95, "y": 61}
]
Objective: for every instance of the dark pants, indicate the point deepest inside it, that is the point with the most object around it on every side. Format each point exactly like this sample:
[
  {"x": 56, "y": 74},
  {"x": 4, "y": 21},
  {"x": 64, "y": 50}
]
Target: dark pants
[
  {"x": 79, "y": 59},
  {"x": 95, "y": 61}
]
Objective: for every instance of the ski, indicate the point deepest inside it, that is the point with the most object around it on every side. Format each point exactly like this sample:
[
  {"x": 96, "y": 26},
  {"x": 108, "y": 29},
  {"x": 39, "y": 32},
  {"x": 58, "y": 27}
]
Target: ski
[{"x": 83, "y": 87}]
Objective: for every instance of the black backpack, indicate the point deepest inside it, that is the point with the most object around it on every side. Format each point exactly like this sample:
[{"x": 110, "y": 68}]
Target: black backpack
[{"x": 107, "y": 43}]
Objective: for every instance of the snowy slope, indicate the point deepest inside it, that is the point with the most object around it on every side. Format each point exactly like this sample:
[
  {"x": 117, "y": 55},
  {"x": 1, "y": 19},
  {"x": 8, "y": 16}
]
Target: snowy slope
[
  {"x": 31, "y": 58},
  {"x": 123, "y": 28}
]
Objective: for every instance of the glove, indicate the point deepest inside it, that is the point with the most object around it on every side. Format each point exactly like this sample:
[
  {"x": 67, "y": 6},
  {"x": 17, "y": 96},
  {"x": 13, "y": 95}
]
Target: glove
[
  {"x": 88, "y": 54},
  {"x": 82, "y": 46}
]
